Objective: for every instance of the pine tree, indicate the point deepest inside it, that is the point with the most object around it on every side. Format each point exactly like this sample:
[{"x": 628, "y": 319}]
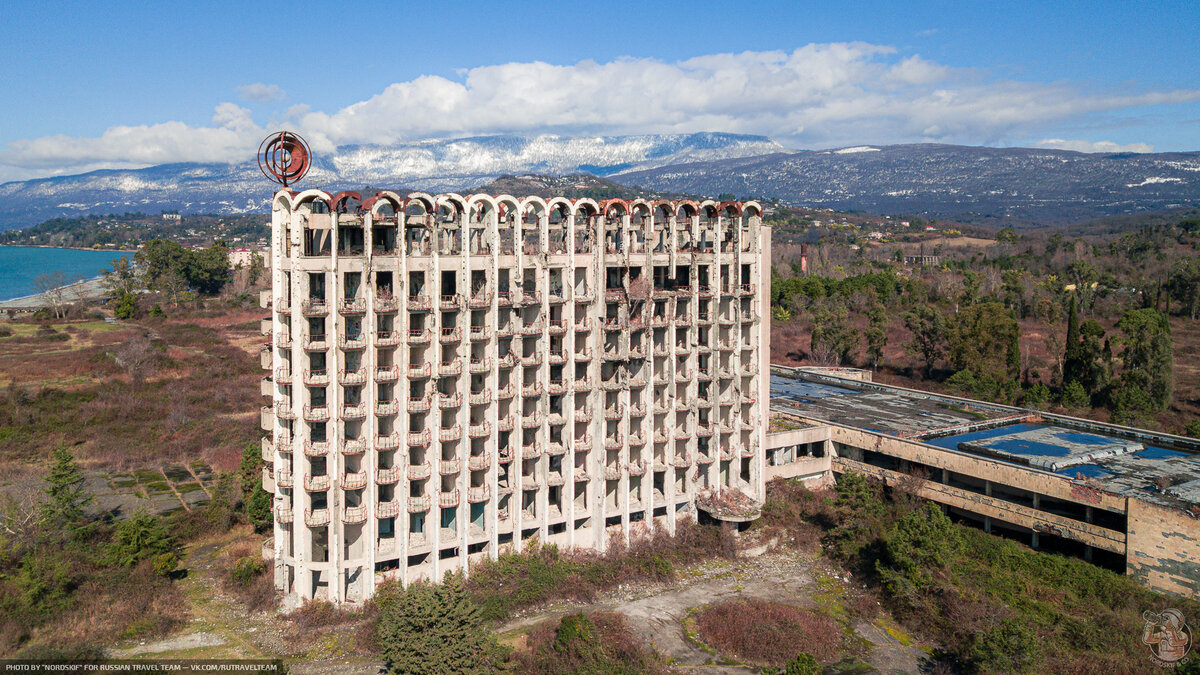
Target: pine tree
[
  {"x": 1071, "y": 366},
  {"x": 435, "y": 629},
  {"x": 68, "y": 497}
]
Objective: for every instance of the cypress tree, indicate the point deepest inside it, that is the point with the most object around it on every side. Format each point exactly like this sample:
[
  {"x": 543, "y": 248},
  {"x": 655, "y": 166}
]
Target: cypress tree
[
  {"x": 64, "y": 486},
  {"x": 1072, "y": 366}
]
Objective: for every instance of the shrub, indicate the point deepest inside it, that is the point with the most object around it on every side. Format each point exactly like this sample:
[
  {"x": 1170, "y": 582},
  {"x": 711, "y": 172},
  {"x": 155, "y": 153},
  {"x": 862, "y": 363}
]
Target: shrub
[
  {"x": 138, "y": 538},
  {"x": 126, "y": 307},
  {"x": 1010, "y": 647},
  {"x": 435, "y": 629},
  {"x": 923, "y": 541},
  {"x": 599, "y": 643},
  {"x": 165, "y": 564},
  {"x": 157, "y": 312},
  {"x": 765, "y": 632},
  {"x": 803, "y": 664},
  {"x": 1074, "y": 396},
  {"x": 246, "y": 570}
]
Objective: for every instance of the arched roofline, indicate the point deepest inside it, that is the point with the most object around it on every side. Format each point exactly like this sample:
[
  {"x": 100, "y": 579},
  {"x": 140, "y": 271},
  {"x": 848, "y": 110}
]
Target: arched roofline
[
  {"x": 481, "y": 199},
  {"x": 746, "y": 206},
  {"x": 641, "y": 204},
  {"x": 310, "y": 195},
  {"x": 282, "y": 198},
  {"x": 513, "y": 204},
  {"x": 735, "y": 207},
  {"x": 688, "y": 206},
  {"x": 609, "y": 203},
  {"x": 585, "y": 203},
  {"x": 560, "y": 203},
  {"x": 452, "y": 198},
  {"x": 342, "y": 197},
  {"x": 534, "y": 200},
  {"x": 373, "y": 204},
  {"x": 423, "y": 198}
]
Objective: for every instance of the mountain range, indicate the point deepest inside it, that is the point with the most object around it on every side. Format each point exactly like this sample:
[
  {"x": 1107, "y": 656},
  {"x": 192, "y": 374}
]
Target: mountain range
[{"x": 974, "y": 184}]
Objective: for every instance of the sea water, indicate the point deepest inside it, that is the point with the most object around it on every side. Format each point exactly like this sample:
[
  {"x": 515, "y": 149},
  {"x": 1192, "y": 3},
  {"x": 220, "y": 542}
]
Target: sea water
[{"x": 20, "y": 266}]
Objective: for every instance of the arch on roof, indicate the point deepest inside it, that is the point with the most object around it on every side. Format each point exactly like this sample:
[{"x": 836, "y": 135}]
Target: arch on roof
[
  {"x": 478, "y": 206},
  {"x": 585, "y": 207},
  {"x": 640, "y": 204},
  {"x": 311, "y": 195},
  {"x": 507, "y": 207},
  {"x": 454, "y": 204},
  {"x": 418, "y": 204},
  {"x": 732, "y": 209},
  {"x": 342, "y": 200},
  {"x": 710, "y": 208},
  {"x": 620, "y": 206},
  {"x": 688, "y": 208},
  {"x": 752, "y": 208},
  {"x": 382, "y": 199},
  {"x": 283, "y": 201}
]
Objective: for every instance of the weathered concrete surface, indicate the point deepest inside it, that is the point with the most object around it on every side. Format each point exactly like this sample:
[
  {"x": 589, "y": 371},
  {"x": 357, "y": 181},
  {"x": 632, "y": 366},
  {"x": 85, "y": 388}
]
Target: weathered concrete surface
[{"x": 1051, "y": 448}]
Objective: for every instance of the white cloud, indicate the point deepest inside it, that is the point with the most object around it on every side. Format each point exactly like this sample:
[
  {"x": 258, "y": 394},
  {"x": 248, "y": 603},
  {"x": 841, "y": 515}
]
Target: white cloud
[
  {"x": 263, "y": 93},
  {"x": 819, "y": 95},
  {"x": 1097, "y": 146}
]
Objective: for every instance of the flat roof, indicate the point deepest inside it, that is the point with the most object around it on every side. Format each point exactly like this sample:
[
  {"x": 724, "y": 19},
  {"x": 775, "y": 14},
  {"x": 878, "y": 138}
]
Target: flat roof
[{"x": 1130, "y": 464}]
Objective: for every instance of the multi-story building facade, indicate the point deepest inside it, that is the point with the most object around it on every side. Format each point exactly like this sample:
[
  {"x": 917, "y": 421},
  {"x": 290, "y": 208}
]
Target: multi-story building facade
[{"x": 455, "y": 376}]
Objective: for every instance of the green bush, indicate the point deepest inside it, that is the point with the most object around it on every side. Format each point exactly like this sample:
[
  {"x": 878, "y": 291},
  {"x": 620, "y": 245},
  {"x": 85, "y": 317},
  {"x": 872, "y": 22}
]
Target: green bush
[
  {"x": 126, "y": 307},
  {"x": 246, "y": 570},
  {"x": 803, "y": 664},
  {"x": 921, "y": 543},
  {"x": 142, "y": 536},
  {"x": 434, "y": 629},
  {"x": 1010, "y": 647},
  {"x": 1074, "y": 396},
  {"x": 165, "y": 564}
]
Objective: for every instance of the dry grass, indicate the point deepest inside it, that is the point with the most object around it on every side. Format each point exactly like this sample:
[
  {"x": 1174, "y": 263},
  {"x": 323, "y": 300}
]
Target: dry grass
[{"x": 768, "y": 633}]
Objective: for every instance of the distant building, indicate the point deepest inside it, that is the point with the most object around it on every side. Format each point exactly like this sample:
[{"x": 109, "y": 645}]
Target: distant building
[
  {"x": 922, "y": 260},
  {"x": 172, "y": 216}
]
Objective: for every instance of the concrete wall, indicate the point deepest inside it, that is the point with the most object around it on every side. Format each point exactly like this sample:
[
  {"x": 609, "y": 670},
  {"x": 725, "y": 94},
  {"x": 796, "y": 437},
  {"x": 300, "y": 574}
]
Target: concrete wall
[{"x": 1164, "y": 549}]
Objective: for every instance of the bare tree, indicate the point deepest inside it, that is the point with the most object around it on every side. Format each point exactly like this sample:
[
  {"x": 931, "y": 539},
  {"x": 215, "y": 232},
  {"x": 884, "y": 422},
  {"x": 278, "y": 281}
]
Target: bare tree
[
  {"x": 20, "y": 510},
  {"x": 52, "y": 286},
  {"x": 137, "y": 356}
]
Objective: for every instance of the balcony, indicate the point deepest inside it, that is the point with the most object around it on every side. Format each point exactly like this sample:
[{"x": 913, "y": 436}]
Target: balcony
[
  {"x": 418, "y": 303},
  {"x": 583, "y": 384},
  {"x": 531, "y": 451},
  {"x": 450, "y": 368},
  {"x": 504, "y": 298},
  {"x": 584, "y": 295},
  {"x": 450, "y": 400},
  {"x": 480, "y": 298},
  {"x": 614, "y": 294},
  {"x": 479, "y": 430},
  {"x": 583, "y": 415},
  {"x": 419, "y": 372},
  {"x": 534, "y": 359},
  {"x": 612, "y": 472},
  {"x": 419, "y": 438},
  {"x": 449, "y": 499},
  {"x": 316, "y": 517},
  {"x": 316, "y": 413},
  {"x": 450, "y": 434},
  {"x": 387, "y": 408},
  {"x": 450, "y": 302},
  {"x": 704, "y": 430},
  {"x": 386, "y": 303},
  {"x": 531, "y": 421},
  {"x": 354, "y": 515},
  {"x": 315, "y": 343},
  {"x": 316, "y": 378},
  {"x": 354, "y": 481},
  {"x": 614, "y": 412},
  {"x": 557, "y": 387},
  {"x": 479, "y": 462},
  {"x": 354, "y": 446},
  {"x": 583, "y": 443},
  {"x": 584, "y": 354},
  {"x": 637, "y": 468},
  {"x": 702, "y": 458},
  {"x": 389, "y": 509},
  {"x": 557, "y": 357},
  {"x": 418, "y": 471},
  {"x": 387, "y": 441},
  {"x": 637, "y": 351},
  {"x": 316, "y": 483},
  {"x": 612, "y": 442},
  {"x": 283, "y": 340},
  {"x": 531, "y": 389},
  {"x": 314, "y": 307},
  {"x": 481, "y": 397},
  {"x": 505, "y": 423},
  {"x": 354, "y": 411},
  {"x": 480, "y": 365},
  {"x": 681, "y": 460},
  {"x": 683, "y": 376},
  {"x": 419, "y": 336},
  {"x": 418, "y": 505},
  {"x": 268, "y": 451},
  {"x": 352, "y": 342},
  {"x": 478, "y": 493},
  {"x": 480, "y": 333},
  {"x": 613, "y": 323},
  {"x": 746, "y": 289},
  {"x": 581, "y": 473},
  {"x": 418, "y": 404},
  {"x": 558, "y": 326},
  {"x": 351, "y": 377},
  {"x": 555, "y": 478},
  {"x": 507, "y": 361},
  {"x": 449, "y": 467},
  {"x": 387, "y": 338},
  {"x": 534, "y": 328},
  {"x": 637, "y": 410},
  {"x": 583, "y": 324},
  {"x": 530, "y": 297},
  {"x": 316, "y": 448},
  {"x": 636, "y": 439},
  {"x": 556, "y": 449},
  {"x": 451, "y": 335},
  {"x": 283, "y": 477},
  {"x": 661, "y": 350},
  {"x": 283, "y": 376},
  {"x": 507, "y": 391},
  {"x": 683, "y": 320},
  {"x": 284, "y": 514}
]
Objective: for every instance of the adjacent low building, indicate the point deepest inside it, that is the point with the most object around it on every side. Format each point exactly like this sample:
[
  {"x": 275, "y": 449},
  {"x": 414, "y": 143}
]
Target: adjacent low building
[{"x": 454, "y": 376}]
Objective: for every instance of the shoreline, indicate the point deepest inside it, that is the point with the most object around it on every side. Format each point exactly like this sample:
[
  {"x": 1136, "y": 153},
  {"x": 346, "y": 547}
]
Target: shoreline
[
  {"x": 72, "y": 248},
  {"x": 87, "y": 289}
]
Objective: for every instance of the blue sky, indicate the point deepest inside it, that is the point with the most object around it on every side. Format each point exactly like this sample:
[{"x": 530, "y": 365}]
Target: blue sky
[{"x": 121, "y": 84}]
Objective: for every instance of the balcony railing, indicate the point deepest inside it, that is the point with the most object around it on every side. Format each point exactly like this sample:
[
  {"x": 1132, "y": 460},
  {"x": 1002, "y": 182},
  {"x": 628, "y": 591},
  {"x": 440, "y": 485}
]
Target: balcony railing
[
  {"x": 354, "y": 480},
  {"x": 531, "y": 451},
  {"x": 354, "y": 515},
  {"x": 352, "y": 342},
  {"x": 583, "y": 324},
  {"x": 418, "y": 303},
  {"x": 451, "y": 302},
  {"x": 283, "y": 376},
  {"x": 612, "y": 442},
  {"x": 451, "y": 335},
  {"x": 354, "y": 446},
  {"x": 481, "y": 397},
  {"x": 421, "y": 371},
  {"x": 418, "y": 404},
  {"x": 284, "y": 478},
  {"x": 354, "y": 411},
  {"x": 316, "y": 378},
  {"x": 478, "y": 493},
  {"x": 479, "y": 430},
  {"x": 389, "y": 509},
  {"x": 314, "y": 307},
  {"x": 419, "y": 471},
  {"x": 449, "y": 467},
  {"x": 450, "y": 434},
  {"x": 387, "y": 441},
  {"x": 419, "y": 438},
  {"x": 558, "y": 326},
  {"x": 352, "y": 376},
  {"x": 480, "y": 365},
  {"x": 316, "y": 413},
  {"x": 480, "y": 297},
  {"x": 558, "y": 387},
  {"x": 316, "y": 448},
  {"x": 284, "y": 514},
  {"x": 507, "y": 391},
  {"x": 316, "y": 517},
  {"x": 479, "y": 462},
  {"x": 418, "y": 504},
  {"x": 386, "y": 408},
  {"x": 316, "y": 483},
  {"x": 387, "y": 338},
  {"x": 419, "y": 335},
  {"x": 450, "y": 400},
  {"x": 449, "y": 368},
  {"x": 531, "y": 421},
  {"x": 449, "y": 499},
  {"x": 480, "y": 333},
  {"x": 386, "y": 303},
  {"x": 615, "y": 411}
]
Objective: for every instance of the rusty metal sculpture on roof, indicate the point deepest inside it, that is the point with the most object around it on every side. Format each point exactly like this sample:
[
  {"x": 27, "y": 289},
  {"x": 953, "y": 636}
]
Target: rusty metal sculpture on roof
[{"x": 284, "y": 158}]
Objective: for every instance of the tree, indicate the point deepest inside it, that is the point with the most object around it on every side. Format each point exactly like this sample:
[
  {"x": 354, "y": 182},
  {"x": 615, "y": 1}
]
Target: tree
[
  {"x": 126, "y": 307},
  {"x": 433, "y": 629},
  {"x": 876, "y": 334},
  {"x": 139, "y": 538},
  {"x": 832, "y": 337},
  {"x": 1184, "y": 285},
  {"x": 928, "y": 329},
  {"x": 53, "y": 286},
  {"x": 1147, "y": 357},
  {"x": 256, "y": 500},
  {"x": 983, "y": 338},
  {"x": 921, "y": 543},
  {"x": 68, "y": 496},
  {"x": 123, "y": 279},
  {"x": 1071, "y": 360}
]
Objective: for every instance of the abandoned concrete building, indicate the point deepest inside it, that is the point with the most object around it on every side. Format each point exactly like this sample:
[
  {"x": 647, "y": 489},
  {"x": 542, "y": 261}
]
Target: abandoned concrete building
[{"x": 452, "y": 376}]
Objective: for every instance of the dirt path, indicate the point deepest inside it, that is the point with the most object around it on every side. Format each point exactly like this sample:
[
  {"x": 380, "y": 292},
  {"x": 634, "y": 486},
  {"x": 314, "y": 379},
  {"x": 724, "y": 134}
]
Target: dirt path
[{"x": 657, "y": 613}]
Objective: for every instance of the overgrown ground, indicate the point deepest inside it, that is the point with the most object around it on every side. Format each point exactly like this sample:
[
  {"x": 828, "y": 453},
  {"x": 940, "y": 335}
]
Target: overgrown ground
[{"x": 178, "y": 390}]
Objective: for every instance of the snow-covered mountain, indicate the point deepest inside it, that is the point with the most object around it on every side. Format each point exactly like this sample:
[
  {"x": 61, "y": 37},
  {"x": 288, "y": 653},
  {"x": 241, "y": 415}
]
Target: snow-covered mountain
[{"x": 434, "y": 165}]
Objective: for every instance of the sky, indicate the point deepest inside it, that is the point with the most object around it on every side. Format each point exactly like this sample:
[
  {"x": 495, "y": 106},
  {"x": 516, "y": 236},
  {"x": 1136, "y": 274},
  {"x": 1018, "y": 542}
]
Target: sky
[{"x": 131, "y": 84}]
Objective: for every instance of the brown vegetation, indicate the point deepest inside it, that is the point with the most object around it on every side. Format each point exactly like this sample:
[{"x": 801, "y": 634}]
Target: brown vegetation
[{"x": 766, "y": 633}]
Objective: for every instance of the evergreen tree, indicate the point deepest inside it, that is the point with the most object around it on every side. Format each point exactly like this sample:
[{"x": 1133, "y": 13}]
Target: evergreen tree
[
  {"x": 68, "y": 497},
  {"x": 1070, "y": 364},
  {"x": 435, "y": 629},
  {"x": 1146, "y": 380},
  {"x": 929, "y": 335},
  {"x": 876, "y": 334}
]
